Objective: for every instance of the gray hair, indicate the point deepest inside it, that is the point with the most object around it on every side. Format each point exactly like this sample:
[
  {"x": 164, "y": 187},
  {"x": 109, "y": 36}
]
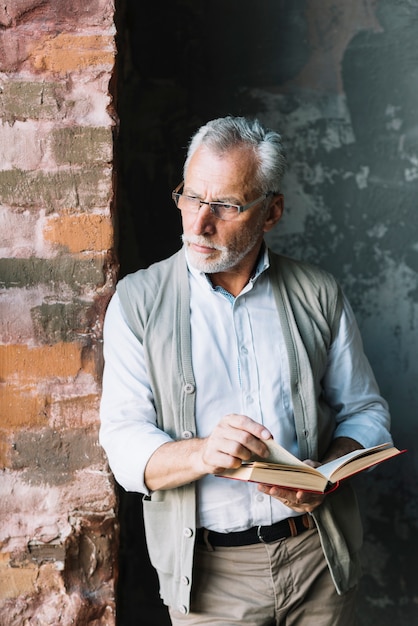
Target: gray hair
[{"x": 224, "y": 133}]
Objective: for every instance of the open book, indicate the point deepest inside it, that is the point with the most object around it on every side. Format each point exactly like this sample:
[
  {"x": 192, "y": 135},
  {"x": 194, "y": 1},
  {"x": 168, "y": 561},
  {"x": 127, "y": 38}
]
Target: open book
[{"x": 285, "y": 470}]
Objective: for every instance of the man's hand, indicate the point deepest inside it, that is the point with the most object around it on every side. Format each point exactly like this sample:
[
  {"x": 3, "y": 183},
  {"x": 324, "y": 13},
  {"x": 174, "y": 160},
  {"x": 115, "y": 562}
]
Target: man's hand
[
  {"x": 235, "y": 439},
  {"x": 300, "y": 501}
]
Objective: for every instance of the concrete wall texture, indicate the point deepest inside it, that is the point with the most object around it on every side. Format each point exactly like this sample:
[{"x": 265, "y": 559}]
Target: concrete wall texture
[
  {"x": 57, "y": 520},
  {"x": 350, "y": 116},
  {"x": 339, "y": 78}
]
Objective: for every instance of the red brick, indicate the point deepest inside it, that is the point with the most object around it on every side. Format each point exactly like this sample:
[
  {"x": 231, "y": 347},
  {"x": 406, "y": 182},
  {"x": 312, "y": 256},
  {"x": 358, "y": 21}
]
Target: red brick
[
  {"x": 80, "y": 233},
  {"x": 70, "y": 52},
  {"x": 24, "y": 364}
]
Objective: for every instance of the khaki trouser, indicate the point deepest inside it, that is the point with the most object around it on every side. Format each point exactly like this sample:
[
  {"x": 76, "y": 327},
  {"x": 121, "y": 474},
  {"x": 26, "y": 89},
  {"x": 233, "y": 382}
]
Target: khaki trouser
[{"x": 285, "y": 583}]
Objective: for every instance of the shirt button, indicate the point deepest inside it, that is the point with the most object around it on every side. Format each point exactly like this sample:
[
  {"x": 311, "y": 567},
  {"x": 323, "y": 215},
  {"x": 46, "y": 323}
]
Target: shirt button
[
  {"x": 188, "y": 532},
  {"x": 188, "y": 388},
  {"x": 259, "y": 497},
  {"x": 187, "y": 434},
  {"x": 183, "y": 609},
  {"x": 244, "y": 350},
  {"x": 184, "y": 580}
]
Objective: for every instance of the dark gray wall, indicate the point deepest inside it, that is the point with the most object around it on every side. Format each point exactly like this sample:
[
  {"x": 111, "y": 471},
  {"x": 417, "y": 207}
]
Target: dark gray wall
[{"x": 339, "y": 78}]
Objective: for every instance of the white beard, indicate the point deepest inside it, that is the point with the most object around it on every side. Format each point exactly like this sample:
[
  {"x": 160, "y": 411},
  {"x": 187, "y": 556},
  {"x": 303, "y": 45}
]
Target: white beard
[{"x": 225, "y": 259}]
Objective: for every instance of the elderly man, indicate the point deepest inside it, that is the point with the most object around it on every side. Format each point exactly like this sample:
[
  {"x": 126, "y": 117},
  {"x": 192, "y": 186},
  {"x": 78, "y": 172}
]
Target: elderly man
[{"x": 210, "y": 353}]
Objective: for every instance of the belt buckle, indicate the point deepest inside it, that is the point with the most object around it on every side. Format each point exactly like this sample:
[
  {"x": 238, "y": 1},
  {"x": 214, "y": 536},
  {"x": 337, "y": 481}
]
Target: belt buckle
[
  {"x": 259, "y": 535},
  {"x": 262, "y": 540}
]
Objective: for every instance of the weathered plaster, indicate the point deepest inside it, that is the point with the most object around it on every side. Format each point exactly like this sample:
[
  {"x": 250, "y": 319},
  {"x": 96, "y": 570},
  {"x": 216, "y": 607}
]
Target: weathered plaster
[{"x": 351, "y": 206}]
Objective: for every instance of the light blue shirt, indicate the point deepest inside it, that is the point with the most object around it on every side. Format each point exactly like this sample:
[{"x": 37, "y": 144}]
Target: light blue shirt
[{"x": 240, "y": 366}]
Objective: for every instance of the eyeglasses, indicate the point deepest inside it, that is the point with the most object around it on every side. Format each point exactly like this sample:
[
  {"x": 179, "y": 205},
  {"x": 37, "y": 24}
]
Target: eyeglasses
[{"x": 221, "y": 210}]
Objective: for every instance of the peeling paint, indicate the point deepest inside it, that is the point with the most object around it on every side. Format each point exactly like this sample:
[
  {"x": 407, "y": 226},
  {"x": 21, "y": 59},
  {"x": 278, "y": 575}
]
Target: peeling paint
[
  {"x": 362, "y": 176},
  {"x": 351, "y": 207}
]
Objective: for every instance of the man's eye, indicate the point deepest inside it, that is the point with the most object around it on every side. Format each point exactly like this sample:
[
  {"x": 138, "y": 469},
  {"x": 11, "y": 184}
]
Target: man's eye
[
  {"x": 226, "y": 207},
  {"x": 192, "y": 200}
]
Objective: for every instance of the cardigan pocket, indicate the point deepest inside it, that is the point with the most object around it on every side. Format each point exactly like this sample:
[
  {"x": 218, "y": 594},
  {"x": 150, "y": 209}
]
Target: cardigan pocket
[{"x": 162, "y": 548}]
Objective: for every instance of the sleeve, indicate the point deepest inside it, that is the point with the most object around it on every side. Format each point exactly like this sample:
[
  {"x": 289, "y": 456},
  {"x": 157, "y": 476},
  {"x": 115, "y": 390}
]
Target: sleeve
[
  {"x": 128, "y": 430},
  {"x": 351, "y": 389}
]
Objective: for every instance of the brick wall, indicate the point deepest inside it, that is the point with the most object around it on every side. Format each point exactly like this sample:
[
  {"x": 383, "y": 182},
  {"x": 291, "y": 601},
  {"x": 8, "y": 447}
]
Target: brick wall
[{"x": 57, "y": 522}]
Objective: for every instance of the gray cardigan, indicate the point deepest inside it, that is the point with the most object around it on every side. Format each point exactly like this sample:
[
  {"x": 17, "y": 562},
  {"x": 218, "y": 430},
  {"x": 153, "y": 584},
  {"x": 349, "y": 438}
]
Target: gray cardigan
[{"x": 309, "y": 303}]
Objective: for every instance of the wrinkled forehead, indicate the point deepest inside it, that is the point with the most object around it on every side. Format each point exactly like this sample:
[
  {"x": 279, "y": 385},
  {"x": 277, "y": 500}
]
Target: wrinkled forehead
[{"x": 219, "y": 172}]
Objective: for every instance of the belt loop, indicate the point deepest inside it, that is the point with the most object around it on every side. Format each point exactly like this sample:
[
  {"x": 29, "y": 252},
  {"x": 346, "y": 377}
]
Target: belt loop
[
  {"x": 292, "y": 526},
  {"x": 308, "y": 521},
  {"x": 205, "y": 536}
]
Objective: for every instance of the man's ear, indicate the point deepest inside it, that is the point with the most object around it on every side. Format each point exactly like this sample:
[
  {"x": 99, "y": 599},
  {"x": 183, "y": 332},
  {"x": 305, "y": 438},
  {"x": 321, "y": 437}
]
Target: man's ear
[{"x": 275, "y": 212}]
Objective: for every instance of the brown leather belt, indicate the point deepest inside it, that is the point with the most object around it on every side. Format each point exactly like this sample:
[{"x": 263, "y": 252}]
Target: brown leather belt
[{"x": 290, "y": 527}]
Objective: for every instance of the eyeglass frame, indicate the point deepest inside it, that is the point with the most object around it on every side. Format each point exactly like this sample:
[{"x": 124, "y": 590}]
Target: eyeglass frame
[{"x": 175, "y": 195}]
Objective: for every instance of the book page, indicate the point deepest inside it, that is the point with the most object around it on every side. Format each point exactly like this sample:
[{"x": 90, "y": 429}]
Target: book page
[
  {"x": 329, "y": 468},
  {"x": 279, "y": 455}
]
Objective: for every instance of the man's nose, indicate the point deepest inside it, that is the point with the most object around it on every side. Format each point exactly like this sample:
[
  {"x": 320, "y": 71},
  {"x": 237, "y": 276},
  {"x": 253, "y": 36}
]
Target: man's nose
[{"x": 204, "y": 220}]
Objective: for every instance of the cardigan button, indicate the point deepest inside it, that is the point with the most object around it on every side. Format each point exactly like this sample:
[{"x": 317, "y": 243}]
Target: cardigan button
[{"x": 189, "y": 388}]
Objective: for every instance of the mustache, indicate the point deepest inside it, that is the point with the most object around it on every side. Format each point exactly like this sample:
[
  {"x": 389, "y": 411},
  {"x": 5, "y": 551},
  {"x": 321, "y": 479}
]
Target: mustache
[{"x": 198, "y": 240}]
